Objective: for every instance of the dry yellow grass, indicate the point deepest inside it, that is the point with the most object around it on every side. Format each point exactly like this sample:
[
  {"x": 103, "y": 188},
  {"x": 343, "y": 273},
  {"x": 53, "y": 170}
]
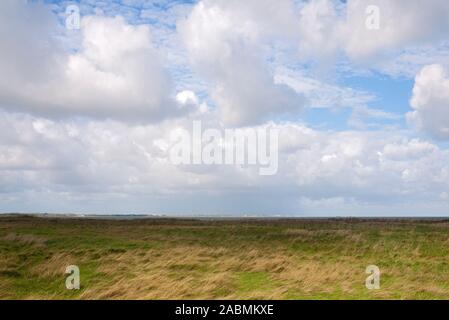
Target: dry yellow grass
[{"x": 28, "y": 239}]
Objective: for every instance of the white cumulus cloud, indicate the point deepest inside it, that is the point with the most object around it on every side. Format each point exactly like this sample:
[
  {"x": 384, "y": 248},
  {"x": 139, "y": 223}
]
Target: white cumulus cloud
[
  {"x": 115, "y": 72},
  {"x": 225, "y": 42},
  {"x": 430, "y": 101}
]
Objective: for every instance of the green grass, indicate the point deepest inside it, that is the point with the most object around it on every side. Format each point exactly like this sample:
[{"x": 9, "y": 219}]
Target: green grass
[{"x": 254, "y": 281}]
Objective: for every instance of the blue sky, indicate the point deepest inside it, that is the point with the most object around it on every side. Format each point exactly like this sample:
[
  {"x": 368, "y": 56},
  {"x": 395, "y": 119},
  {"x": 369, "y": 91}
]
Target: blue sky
[{"x": 360, "y": 98}]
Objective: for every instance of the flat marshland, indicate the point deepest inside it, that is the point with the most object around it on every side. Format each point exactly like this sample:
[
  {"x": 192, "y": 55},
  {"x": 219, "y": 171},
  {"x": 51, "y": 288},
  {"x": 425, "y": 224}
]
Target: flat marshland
[{"x": 223, "y": 259}]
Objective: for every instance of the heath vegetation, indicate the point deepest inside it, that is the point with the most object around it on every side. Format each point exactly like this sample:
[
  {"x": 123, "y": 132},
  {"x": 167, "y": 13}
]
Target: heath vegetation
[{"x": 223, "y": 259}]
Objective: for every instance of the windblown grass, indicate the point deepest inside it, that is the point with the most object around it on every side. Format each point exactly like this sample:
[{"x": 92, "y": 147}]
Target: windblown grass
[{"x": 242, "y": 259}]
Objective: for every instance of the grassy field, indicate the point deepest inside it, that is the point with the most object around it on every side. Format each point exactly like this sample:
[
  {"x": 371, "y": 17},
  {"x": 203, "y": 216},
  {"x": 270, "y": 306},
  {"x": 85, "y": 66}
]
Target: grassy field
[{"x": 242, "y": 259}]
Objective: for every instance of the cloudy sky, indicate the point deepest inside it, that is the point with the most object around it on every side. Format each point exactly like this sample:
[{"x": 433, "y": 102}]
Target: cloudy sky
[{"x": 363, "y": 112}]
